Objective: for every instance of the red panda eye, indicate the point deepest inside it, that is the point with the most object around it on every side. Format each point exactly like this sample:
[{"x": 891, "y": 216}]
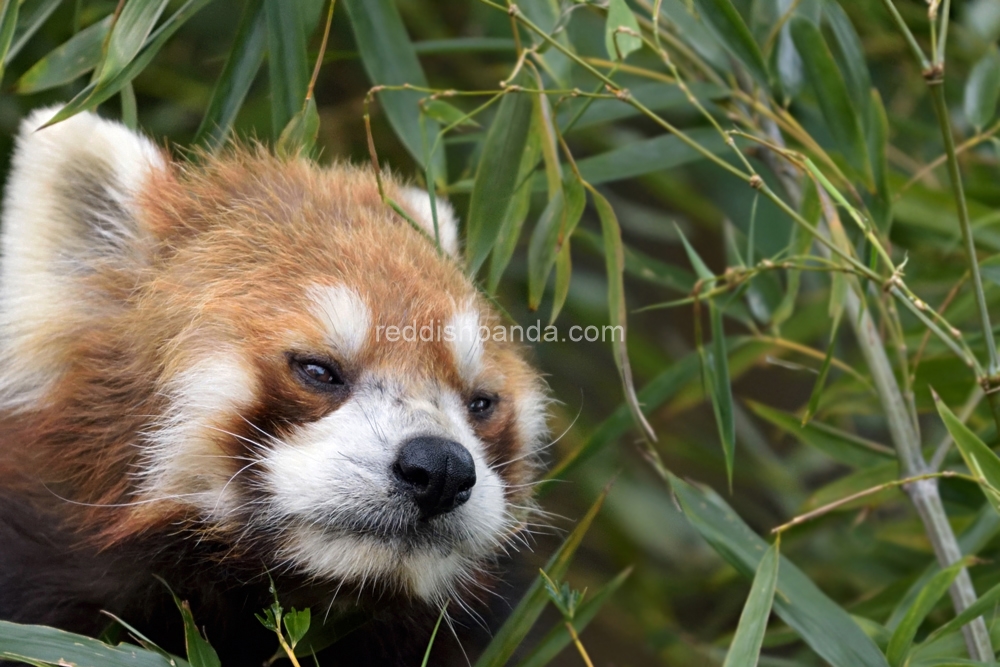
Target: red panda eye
[
  {"x": 481, "y": 405},
  {"x": 316, "y": 373}
]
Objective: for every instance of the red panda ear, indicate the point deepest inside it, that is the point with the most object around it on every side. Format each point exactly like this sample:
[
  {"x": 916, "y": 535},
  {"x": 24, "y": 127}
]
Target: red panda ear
[
  {"x": 418, "y": 202},
  {"x": 69, "y": 212}
]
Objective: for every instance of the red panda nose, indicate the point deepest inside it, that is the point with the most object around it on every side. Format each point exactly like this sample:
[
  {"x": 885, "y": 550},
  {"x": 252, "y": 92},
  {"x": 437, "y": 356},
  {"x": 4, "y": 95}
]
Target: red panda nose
[{"x": 438, "y": 474}]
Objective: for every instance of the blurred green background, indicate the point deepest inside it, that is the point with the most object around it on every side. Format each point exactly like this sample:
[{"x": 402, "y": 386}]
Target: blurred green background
[{"x": 682, "y": 602}]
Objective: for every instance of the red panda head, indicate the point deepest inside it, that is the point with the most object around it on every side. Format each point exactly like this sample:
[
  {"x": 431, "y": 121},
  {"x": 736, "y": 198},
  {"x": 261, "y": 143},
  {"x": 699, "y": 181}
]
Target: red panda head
[{"x": 260, "y": 351}]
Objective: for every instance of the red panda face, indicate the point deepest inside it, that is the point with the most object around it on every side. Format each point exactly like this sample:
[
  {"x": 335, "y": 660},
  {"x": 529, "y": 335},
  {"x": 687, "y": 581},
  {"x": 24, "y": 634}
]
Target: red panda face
[{"x": 263, "y": 353}]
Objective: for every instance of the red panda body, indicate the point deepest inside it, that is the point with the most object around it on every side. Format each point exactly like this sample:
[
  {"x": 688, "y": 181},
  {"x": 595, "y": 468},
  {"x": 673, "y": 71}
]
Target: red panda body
[{"x": 199, "y": 381}]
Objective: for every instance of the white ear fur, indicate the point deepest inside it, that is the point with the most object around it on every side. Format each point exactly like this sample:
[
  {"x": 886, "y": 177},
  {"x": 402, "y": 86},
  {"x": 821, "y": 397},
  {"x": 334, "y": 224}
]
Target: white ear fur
[
  {"x": 69, "y": 203},
  {"x": 419, "y": 202}
]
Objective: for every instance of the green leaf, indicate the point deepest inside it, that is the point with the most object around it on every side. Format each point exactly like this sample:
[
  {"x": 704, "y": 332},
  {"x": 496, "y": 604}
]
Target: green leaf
[
  {"x": 832, "y": 94},
  {"x": 902, "y": 637},
  {"x": 390, "y": 60},
  {"x": 328, "y": 632},
  {"x": 554, "y": 228},
  {"x": 980, "y": 459},
  {"x": 614, "y": 263},
  {"x": 288, "y": 60},
  {"x": 32, "y": 16},
  {"x": 296, "y": 625},
  {"x": 982, "y": 89},
  {"x": 642, "y": 266},
  {"x": 722, "y": 390},
  {"x": 564, "y": 274},
  {"x": 299, "y": 136},
  {"x": 447, "y": 114},
  {"x": 700, "y": 268},
  {"x": 245, "y": 57},
  {"x": 128, "y": 35},
  {"x": 496, "y": 177},
  {"x": 620, "y": 44},
  {"x": 199, "y": 652},
  {"x": 841, "y": 446},
  {"x": 93, "y": 95},
  {"x": 41, "y": 644},
  {"x": 986, "y": 603},
  {"x": 518, "y": 205},
  {"x": 877, "y": 137},
  {"x": 510, "y": 636},
  {"x": 67, "y": 62},
  {"x": 559, "y": 638},
  {"x": 822, "y": 624},
  {"x": 824, "y": 371},
  {"x": 733, "y": 33},
  {"x": 745, "y": 649},
  {"x": 990, "y": 268},
  {"x": 852, "y": 54},
  {"x": 8, "y": 21},
  {"x": 647, "y": 156}
]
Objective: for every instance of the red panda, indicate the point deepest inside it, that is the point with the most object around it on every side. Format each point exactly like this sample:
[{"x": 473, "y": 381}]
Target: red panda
[{"x": 198, "y": 381}]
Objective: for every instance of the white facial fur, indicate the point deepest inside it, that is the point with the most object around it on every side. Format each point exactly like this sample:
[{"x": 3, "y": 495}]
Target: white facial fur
[
  {"x": 43, "y": 244},
  {"x": 466, "y": 344},
  {"x": 334, "y": 479},
  {"x": 344, "y": 315}
]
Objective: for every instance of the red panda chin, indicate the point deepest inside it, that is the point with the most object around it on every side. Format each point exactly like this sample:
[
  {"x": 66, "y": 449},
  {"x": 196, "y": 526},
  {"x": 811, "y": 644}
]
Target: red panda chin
[{"x": 201, "y": 355}]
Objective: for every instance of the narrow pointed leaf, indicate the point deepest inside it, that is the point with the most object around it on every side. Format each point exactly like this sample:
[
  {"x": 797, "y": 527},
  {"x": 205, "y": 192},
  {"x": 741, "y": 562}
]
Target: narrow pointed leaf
[
  {"x": 841, "y": 446},
  {"x": 620, "y": 44},
  {"x": 128, "y": 35},
  {"x": 745, "y": 649},
  {"x": 832, "y": 94},
  {"x": 986, "y": 603},
  {"x": 91, "y": 96},
  {"x": 32, "y": 17},
  {"x": 852, "y": 55},
  {"x": 932, "y": 592},
  {"x": 389, "y": 59},
  {"x": 982, "y": 462},
  {"x": 697, "y": 263},
  {"x": 823, "y": 624},
  {"x": 43, "y": 644},
  {"x": 735, "y": 36},
  {"x": 288, "y": 61},
  {"x": 242, "y": 66},
  {"x": 554, "y": 227},
  {"x": 74, "y": 58},
  {"x": 614, "y": 262},
  {"x": 722, "y": 390},
  {"x": 877, "y": 137},
  {"x": 982, "y": 90},
  {"x": 299, "y": 136},
  {"x": 496, "y": 177},
  {"x": 519, "y": 623},
  {"x": 824, "y": 371},
  {"x": 199, "y": 652},
  {"x": 564, "y": 273},
  {"x": 8, "y": 21},
  {"x": 559, "y": 638},
  {"x": 648, "y": 156},
  {"x": 447, "y": 114}
]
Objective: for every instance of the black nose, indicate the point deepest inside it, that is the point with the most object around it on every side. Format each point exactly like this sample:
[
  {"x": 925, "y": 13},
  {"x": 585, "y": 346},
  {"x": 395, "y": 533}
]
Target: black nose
[{"x": 438, "y": 474}]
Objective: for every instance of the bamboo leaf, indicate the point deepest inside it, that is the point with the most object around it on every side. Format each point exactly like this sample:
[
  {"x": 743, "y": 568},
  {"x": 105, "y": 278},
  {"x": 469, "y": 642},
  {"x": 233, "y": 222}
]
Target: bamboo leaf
[
  {"x": 559, "y": 638},
  {"x": 722, "y": 390},
  {"x": 199, "y": 652},
  {"x": 527, "y": 611},
  {"x": 982, "y": 90},
  {"x": 496, "y": 177},
  {"x": 288, "y": 61},
  {"x": 67, "y": 62},
  {"x": 934, "y": 590},
  {"x": 614, "y": 258},
  {"x": 831, "y": 93},
  {"x": 620, "y": 44},
  {"x": 564, "y": 273},
  {"x": 299, "y": 136},
  {"x": 745, "y": 649},
  {"x": 986, "y": 603},
  {"x": 877, "y": 137},
  {"x": 824, "y": 371},
  {"x": 41, "y": 644},
  {"x": 390, "y": 60},
  {"x": 8, "y": 22},
  {"x": 447, "y": 114},
  {"x": 839, "y": 445},
  {"x": 554, "y": 228},
  {"x": 822, "y": 624},
  {"x": 93, "y": 95},
  {"x": 32, "y": 17},
  {"x": 735, "y": 36},
  {"x": 980, "y": 459},
  {"x": 242, "y": 64},
  {"x": 852, "y": 54},
  {"x": 128, "y": 35},
  {"x": 648, "y": 156}
]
